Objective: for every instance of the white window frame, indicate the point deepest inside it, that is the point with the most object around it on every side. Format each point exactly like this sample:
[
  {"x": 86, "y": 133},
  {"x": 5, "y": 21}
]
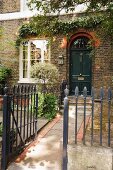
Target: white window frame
[
  {"x": 29, "y": 79},
  {"x": 23, "y": 6}
]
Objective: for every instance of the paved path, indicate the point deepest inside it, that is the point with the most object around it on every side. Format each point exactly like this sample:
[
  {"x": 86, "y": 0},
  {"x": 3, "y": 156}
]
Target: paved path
[{"x": 47, "y": 154}]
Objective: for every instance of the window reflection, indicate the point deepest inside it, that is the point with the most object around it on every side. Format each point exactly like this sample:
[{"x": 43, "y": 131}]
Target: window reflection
[
  {"x": 33, "y": 51},
  {"x": 25, "y": 59},
  {"x": 39, "y": 51},
  {"x": 81, "y": 42}
]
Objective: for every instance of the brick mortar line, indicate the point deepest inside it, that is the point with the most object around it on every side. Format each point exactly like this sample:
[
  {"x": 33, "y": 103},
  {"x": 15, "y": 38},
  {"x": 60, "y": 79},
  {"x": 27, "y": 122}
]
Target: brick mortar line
[{"x": 41, "y": 134}]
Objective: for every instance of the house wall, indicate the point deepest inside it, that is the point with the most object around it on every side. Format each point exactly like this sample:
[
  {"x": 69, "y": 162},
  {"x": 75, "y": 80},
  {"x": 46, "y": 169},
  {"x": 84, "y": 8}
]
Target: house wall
[
  {"x": 102, "y": 61},
  {"x": 9, "y": 55},
  {"x": 57, "y": 51},
  {"x": 9, "y": 6}
]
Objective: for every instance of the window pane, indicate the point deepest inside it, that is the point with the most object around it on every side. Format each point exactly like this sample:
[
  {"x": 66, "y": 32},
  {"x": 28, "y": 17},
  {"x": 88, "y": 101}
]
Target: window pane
[
  {"x": 25, "y": 52},
  {"x": 25, "y": 66},
  {"x": 25, "y": 60},
  {"x": 80, "y": 42},
  {"x": 33, "y": 51},
  {"x": 39, "y": 51}
]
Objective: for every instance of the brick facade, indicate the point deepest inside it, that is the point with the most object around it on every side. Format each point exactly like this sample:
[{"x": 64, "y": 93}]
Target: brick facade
[
  {"x": 102, "y": 61},
  {"x": 9, "y": 55},
  {"x": 7, "y": 6}
]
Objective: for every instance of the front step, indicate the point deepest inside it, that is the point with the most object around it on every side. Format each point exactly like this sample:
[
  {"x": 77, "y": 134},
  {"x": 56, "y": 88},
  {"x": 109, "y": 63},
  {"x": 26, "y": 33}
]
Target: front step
[
  {"x": 72, "y": 100},
  {"x": 80, "y": 109},
  {"x": 80, "y": 104}
]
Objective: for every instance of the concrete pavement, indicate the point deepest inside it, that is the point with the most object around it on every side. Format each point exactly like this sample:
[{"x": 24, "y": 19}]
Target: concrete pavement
[{"x": 47, "y": 152}]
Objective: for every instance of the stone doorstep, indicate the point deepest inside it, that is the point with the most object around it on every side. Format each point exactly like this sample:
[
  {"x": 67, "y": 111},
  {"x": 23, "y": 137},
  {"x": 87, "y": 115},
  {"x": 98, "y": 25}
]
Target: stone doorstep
[
  {"x": 80, "y": 100},
  {"x": 79, "y": 103}
]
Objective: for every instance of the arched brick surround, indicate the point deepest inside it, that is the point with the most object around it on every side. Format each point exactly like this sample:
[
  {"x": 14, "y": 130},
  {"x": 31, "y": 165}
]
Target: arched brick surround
[{"x": 90, "y": 35}]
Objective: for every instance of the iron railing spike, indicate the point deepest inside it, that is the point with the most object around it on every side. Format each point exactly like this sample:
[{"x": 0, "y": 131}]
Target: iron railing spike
[
  {"x": 101, "y": 93},
  {"x": 66, "y": 91},
  {"x": 109, "y": 94},
  {"x": 85, "y": 92},
  {"x": 92, "y": 92},
  {"x": 5, "y": 90},
  {"x": 76, "y": 91}
]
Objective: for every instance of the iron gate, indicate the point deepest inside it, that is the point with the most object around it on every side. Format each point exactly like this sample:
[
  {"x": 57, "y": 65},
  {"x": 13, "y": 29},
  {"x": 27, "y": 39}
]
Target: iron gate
[
  {"x": 105, "y": 103},
  {"x": 20, "y": 109}
]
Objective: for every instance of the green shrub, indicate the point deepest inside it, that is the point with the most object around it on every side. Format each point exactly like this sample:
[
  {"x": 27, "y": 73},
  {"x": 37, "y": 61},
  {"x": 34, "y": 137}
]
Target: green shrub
[
  {"x": 47, "y": 105},
  {"x": 40, "y": 104},
  {"x": 45, "y": 73},
  {"x": 50, "y": 106},
  {"x": 4, "y": 74}
]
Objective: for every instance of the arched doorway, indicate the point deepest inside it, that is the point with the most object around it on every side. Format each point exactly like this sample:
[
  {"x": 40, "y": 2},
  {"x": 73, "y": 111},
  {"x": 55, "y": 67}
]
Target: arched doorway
[{"x": 80, "y": 64}]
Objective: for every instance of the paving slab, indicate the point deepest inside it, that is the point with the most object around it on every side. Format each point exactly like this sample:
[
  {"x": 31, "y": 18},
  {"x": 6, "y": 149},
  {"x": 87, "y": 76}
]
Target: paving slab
[{"x": 47, "y": 154}]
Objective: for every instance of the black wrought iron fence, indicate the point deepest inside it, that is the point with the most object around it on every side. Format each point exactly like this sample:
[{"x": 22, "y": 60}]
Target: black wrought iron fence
[
  {"x": 56, "y": 89},
  {"x": 97, "y": 123},
  {"x": 19, "y": 120},
  {"x": 62, "y": 88},
  {"x": 21, "y": 117}
]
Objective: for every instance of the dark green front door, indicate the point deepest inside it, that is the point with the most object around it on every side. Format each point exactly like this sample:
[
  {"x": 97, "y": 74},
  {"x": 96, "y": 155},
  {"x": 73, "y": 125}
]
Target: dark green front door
[{"x": 80, "y": 70}]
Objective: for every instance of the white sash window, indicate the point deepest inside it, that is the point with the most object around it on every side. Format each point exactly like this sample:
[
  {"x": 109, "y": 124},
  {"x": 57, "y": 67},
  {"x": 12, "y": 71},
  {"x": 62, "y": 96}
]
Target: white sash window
[{"x": 32, "y": 51}]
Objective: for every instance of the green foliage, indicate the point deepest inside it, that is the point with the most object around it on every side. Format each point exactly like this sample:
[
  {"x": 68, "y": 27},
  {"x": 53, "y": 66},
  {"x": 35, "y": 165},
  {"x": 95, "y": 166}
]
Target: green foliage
[
  {"x": 50, "y": 26},
  {"x": 47, "y": 105},
  {"x": 105, "y": 7},
  {"x": 40, "y": 104},
  {"x": 50, "y": 106},
  {"x": 45, "y": 73},
  {"x": 55, "y": 5},
  {"x": 47, "y": 76},
  {"x": 4, "y": 73},
  {"x": 69, "y": 5},
  {"x": 27, "y": 30}
]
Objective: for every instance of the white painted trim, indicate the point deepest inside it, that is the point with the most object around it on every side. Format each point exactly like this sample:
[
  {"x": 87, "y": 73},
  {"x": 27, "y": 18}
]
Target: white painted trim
[
  {"x": 29, "y": 61},
  {"x": 26, "y": 80},
  {"x": 27, "y": 14},
  {"x": 17, "y": 15},
  {"x": 20, "y": 64},
  {"x": 21, "y": 5}
]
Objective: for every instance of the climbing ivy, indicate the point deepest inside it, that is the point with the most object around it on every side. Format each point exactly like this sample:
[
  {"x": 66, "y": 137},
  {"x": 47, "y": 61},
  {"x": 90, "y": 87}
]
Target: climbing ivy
[{"x": 50, "y": 26}]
